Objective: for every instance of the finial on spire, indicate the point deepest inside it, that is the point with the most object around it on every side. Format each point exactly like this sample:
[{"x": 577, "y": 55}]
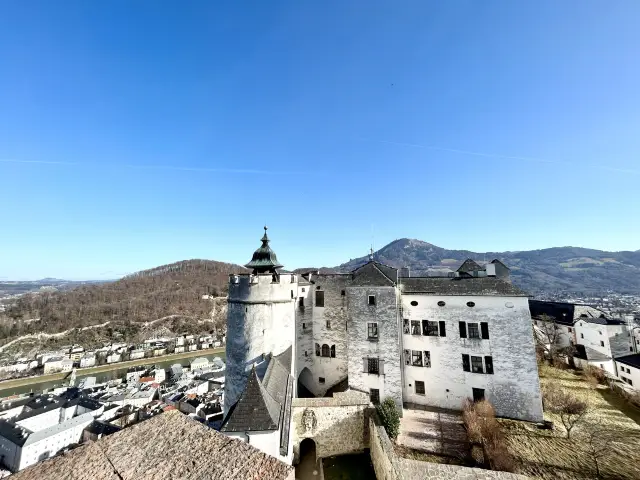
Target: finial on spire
[{"x": 371, "y": 253}]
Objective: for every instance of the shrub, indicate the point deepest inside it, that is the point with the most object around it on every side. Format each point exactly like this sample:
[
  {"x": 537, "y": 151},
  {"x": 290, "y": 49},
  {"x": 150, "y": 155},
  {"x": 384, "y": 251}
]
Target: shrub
[
  {"x": 570, "y": 409},
  {"x": 595, "y": 375},
  {"x": 484, "y": 430},
  {"x": 390, "y": 417}
]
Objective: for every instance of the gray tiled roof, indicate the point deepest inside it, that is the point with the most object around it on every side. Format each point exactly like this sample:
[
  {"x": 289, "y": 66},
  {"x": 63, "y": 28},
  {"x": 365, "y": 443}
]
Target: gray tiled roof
[
  {"x": 470, "y": 266},
  {"x": 459, "y": 286},
  {"x": 374, "y": 274},
  {"x": 169, "y": 446},
  {"x": 255, "y": 410}
]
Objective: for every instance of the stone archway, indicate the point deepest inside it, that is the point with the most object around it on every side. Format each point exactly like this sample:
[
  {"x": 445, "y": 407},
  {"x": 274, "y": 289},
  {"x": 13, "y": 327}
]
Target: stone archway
[{"x": 309, "y": 465}]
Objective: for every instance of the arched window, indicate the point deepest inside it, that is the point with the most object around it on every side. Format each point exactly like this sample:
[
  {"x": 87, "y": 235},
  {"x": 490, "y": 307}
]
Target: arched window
[
  {"x": 317, "y": 349},
  {"x": 325, "y": 350},
  {"x": 333, "y": 351}
]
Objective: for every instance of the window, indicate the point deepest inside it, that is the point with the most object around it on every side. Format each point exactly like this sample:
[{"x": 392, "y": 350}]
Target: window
[
  {"x": 407, "y": 357},
  {"x": 333, "y": 351},
  {"x": 600, "y": 332},
  {"x": 601, "y": 343},
  {"x": 303, "y": 290},
  {"x": 317, "y": 349},
  {"x": 570, "y": 329},
  {"x": 328, "y": 324},
  {"x": 484, "y": 330},
  {"x": 478, "y": 394},
  {"x": 582, "y": 335},
  {"x": 405, "y": 324},
  {"x": 463, "y": 329},
  {"x": 631, "y": 349},
  {"x": 304, "y": 325},
  {"x": 441, "y": 303},
  {"x": 474, "y": 332},
  {"x": 427, "y": 358},
  {"x": 373, "y": 366},
  {"x": 430, "y": 329},
  {"x": 325, "y": 350},
  {"x": 465, "y": 363},
  {"x": 419, "y": 388},
  {"x": 374, "y": 395},
  {"x": 476, "y": 364},
  {"x": 372, "y": 331},
  {"x": 443, "y": 331},
  {"x": 372, "y": 300},
  {"x": 471, "y": 304},
  {"x": 319, "y": 298},
  {"x": 415, "y": 327},
  {"x": 321, "y": 380},
  {"x": 488, "y": 365},
  {"x": 414, "y": 303},
  {"x": 416, "y": 358},
  {"x": 301, "y": 302},
  {"x": 602, "y": 366},
  {"x": 343, "y": 293}
]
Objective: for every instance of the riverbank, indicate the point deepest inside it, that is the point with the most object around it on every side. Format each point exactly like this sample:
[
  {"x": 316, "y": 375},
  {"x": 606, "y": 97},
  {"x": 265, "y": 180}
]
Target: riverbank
[{"x": 83, "y": 372}]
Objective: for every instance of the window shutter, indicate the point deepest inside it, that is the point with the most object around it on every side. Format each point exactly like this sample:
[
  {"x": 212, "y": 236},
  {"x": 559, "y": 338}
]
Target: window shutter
[
  {"x": 484, "y": 327},
  {"x": 443, "y": 332},
  {"x": 465, "y": 363},
  {"x": 364, "y": 365},
  {"x": 381, "y": 366},
  {"x": 488, "y": 363},
  {"x": 463, "y": 329}
]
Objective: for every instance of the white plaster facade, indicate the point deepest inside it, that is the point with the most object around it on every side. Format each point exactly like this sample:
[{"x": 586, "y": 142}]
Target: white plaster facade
[
  {"x": 513, "y": 387},
  {"x": 629, "y": 373}
]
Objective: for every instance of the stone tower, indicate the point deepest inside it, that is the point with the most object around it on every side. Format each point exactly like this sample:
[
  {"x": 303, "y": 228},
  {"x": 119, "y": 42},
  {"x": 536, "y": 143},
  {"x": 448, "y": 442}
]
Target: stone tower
[{"x": 260, "y": 319}]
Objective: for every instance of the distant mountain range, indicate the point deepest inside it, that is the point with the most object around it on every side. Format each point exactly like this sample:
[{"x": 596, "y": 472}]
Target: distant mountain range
[{"x": 568, "y": 269}]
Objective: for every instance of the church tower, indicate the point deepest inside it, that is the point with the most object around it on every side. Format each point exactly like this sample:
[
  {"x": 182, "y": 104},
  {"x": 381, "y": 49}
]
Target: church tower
[{"x": 260, "y": 319}]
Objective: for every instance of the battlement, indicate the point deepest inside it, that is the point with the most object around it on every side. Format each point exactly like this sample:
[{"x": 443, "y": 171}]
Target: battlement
[{"x": 264, "y": 286}]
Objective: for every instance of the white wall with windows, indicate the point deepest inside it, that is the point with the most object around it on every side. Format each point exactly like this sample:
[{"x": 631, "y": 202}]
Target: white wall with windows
[
  {"x": 455, "y": 347},
  {"x": 628, "y": 373}
]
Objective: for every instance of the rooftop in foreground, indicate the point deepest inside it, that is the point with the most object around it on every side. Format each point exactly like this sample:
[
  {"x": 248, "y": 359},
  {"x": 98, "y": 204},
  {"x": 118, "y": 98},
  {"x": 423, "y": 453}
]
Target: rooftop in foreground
[{"x": 168, "y": 446}]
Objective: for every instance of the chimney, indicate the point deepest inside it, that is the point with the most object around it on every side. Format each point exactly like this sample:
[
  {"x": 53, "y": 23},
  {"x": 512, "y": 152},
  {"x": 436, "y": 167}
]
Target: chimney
[{"x": 405, "y": 272}]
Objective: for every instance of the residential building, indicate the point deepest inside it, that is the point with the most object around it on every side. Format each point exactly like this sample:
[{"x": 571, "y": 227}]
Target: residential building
[
  {"x": 88, "y": 360},
  {"x": 199, "y": 363},
  {"x": 628, "y": 368}
]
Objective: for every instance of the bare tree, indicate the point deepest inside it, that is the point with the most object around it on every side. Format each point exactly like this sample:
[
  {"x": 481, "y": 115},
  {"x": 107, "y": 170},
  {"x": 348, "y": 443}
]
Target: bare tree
[
  {"x": 547, "y": 335},
  {"x": 598, "y": 442},
  {"x": 570, "y": 409}
]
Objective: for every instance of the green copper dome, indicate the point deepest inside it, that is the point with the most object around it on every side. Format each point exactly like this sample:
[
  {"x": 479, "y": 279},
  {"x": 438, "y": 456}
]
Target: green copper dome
[{"x": 264, "y": 259}]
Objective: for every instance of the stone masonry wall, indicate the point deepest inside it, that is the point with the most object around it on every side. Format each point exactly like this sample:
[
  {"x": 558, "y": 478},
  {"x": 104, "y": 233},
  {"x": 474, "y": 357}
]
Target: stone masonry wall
[
  {"x": 388, "y": 466},
  {"x": 341, "y": 423},
  {"x": 387, "y": 348}
]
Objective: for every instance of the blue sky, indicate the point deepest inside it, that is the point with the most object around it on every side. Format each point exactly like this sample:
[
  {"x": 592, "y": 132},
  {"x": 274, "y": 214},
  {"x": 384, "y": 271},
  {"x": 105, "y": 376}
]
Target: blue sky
[{"x": 137, "y": 133}]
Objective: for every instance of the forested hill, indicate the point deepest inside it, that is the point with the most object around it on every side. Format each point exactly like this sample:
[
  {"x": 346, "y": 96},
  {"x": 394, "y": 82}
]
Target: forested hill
[
  {"x": 570, "y": 269},
  {"x": 174, "y": 289}
]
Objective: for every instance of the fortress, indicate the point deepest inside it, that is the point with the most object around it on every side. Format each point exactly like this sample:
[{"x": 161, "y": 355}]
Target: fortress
[{"x": 374, "y": 334}]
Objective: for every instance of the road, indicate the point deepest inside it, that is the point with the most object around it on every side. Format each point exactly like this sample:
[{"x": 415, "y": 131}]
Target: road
[{"x": 20, "y": 382}]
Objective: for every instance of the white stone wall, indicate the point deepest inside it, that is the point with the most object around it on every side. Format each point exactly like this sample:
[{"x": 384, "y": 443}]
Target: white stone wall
[
  {"x": 325, "y": 326},
  {"x": 260, "y": 320},
  {"x": 386, "y": 314},
  {"x": 513, "y": 388},
  {"x": 633, "y": 374}
]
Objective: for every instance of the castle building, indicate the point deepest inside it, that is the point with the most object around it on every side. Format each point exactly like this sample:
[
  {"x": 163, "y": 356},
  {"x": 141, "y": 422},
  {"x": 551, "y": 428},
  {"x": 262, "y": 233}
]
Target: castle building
[{"x": 432, "y": 341}]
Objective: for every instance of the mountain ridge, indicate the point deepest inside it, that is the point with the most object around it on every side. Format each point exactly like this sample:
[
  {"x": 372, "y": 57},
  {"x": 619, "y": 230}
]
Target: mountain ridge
[{"x": 570, "y": 269}]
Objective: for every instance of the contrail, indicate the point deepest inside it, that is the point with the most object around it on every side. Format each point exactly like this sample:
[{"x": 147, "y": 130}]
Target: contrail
[
  {"x": 159, "y": 167},
  {"x": 506, "y": 157}
]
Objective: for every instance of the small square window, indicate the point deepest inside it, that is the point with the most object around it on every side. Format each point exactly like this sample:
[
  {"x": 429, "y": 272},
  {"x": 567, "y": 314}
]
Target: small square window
[
  {"x": 303, "y": 290},
  {"x": 373, "y": 365},
  {"x": 476, "y": 364},
  {"x": 570, "y": 330},
  {"x": 430, "y": 329},
  {"x": 372, "y": 300},
  {"x": 419, "y": 388},
  {"x": 582, "y": 335},
  {"x": 415, "y": 327},
  {"x": 474, "y": 331},
  {"x": 328, "y": 324},
  {"x": 372, "y": 331},
  {"x": 343, "y": 293},
  {"x": 601, "y": 343},
  {"x": 416, "y": 358},
  {"x": 304, "y": 325},
  {"x": 374, "y": 395},
  {"x": 321, "y": 380}
]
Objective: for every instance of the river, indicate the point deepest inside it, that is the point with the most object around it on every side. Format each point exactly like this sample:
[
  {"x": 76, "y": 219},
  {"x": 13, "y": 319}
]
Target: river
[{"x": 118, "y": 371}]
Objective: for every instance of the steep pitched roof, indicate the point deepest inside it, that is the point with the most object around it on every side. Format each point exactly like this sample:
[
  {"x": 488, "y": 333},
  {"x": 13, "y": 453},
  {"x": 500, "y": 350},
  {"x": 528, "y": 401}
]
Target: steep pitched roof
[
  {"x": 285, "y": 358},
  {"x": 375, "y": 274},
  {"x": 489, "y": 286},
  {"x": 255, "y": 410},
  {"x": 470, "y": 266}
]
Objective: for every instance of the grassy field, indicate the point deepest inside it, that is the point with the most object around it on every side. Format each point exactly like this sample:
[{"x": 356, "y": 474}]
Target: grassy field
[
  {"x": 547, "y": 454},
  {"x": 19, "y": 382}
]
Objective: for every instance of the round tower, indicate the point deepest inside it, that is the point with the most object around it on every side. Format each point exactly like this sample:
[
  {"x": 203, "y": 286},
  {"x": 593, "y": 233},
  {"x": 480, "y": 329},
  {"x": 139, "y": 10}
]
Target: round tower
[{"x": 260, "y": 318}]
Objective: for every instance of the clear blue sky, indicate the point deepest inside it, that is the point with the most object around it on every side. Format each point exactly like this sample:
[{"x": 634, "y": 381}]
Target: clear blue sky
[{"x": 137, "y": 133}]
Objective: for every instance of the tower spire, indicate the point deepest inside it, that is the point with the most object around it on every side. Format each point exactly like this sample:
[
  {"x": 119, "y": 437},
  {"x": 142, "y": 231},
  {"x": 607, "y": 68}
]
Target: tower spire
[{"x": 264, "y": 259}]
